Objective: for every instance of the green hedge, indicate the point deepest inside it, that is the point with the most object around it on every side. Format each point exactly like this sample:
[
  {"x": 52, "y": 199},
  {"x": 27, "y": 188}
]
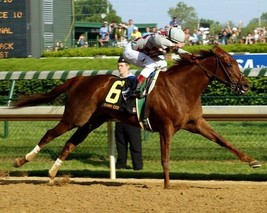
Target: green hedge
[
  {"x": 27, "y": 87},
  {"x": 216, "y": 94},
  {"x": 112, "y": 51},
  {"x": 233, "y": 48},
  {"x": 85, "y": 52}
]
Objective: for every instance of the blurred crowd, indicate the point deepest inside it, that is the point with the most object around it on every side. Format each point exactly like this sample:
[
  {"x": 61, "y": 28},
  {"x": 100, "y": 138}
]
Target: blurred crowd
[
  {"x": 227, "y": 35},
  {"x": 119, "y": 34}
]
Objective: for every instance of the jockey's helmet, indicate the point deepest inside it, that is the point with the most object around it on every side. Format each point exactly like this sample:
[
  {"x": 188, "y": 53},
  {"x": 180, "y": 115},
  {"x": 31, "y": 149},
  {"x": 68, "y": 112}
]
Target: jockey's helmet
[{"x": 176, "y": 34}]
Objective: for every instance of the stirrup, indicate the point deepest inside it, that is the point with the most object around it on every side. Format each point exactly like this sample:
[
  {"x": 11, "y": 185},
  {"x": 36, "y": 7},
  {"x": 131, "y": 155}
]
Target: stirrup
[{"x": 139, "y": 94}]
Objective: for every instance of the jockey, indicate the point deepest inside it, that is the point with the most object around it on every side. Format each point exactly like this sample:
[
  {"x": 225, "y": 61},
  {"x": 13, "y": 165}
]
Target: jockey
[{"x": 148, "y": 52}]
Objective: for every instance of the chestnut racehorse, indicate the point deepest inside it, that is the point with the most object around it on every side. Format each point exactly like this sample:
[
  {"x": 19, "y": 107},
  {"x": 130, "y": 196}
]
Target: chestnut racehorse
[{"x": 173, "y": 104}]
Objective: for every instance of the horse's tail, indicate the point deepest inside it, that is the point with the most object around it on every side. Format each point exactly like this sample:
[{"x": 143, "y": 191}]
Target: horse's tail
[{"x": 37, "y": 99}]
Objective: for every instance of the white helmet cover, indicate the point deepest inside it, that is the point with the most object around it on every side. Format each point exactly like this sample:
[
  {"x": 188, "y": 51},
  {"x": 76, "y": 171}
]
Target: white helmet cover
[{"x": 176, "y": 34}]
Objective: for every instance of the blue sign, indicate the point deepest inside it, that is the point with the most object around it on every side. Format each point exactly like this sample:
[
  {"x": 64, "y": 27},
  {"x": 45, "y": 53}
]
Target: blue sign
[{"x": 251, "y": 60}]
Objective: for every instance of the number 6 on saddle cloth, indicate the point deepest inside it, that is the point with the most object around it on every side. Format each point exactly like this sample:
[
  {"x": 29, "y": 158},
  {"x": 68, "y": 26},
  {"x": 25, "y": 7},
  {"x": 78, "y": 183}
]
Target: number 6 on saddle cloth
[{"x": 120, "y": 96}]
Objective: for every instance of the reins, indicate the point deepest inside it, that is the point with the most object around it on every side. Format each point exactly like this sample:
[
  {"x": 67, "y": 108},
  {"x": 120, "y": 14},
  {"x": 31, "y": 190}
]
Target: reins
[{"x": 228, "y": 81}]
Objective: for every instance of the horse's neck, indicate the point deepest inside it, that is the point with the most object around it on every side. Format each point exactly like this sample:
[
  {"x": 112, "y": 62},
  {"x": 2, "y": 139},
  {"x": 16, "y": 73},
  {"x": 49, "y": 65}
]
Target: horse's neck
[{"x": 190, "y": 79}]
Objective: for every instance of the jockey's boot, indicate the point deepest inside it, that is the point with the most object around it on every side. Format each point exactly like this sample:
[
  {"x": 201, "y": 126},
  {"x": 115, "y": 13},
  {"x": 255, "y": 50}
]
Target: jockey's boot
[{"x": 139, "y": 91}]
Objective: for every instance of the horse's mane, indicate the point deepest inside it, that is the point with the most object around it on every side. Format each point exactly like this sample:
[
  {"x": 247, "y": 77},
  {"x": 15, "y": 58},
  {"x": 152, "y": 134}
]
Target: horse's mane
[{"x": 187, "y": 59}]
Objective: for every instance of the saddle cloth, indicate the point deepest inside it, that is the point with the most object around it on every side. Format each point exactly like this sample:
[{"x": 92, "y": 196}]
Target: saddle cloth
[{"x": 118, "y": 97}]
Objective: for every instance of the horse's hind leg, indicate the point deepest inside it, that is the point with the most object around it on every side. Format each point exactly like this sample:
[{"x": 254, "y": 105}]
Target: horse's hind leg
[
  {"x": 203, "y": 128},
  {"x": 50, "y": 135},
  {"x": 78, "y": 137}
]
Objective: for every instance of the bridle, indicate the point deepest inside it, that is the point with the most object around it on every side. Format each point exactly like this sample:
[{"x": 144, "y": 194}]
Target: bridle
[{"x": 235, "y": 86}]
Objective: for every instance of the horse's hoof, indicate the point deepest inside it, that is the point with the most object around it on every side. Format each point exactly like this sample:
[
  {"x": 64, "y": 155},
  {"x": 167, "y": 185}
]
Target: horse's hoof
[
  {"x": 167, "y": 187},
  {"x": 254, "y": 164},
  {"x": 51, "y": 181},
  {"x": 51, "y": 177},
  {"x": 19, "y": 162}
]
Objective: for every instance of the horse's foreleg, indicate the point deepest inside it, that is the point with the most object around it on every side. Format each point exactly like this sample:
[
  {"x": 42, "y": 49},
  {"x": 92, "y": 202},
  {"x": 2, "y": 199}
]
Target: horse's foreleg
[
  {"x": 48, "y": 137},
  {"x": 165, "y": 143},
  {"x": 203, "y": 128}
]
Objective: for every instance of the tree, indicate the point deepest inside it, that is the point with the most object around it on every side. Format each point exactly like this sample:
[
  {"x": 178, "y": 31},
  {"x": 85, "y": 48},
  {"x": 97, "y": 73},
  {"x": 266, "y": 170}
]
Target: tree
[
  {"x": 264, "y": 19},
  {"x": 95, "y": 11},
  {"x": 185, "y": 14},
  {"x": 259, "y": 22}
]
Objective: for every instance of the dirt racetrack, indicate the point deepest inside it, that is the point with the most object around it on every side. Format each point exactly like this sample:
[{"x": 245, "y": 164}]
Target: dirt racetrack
[{"x": 34, "y": 194}]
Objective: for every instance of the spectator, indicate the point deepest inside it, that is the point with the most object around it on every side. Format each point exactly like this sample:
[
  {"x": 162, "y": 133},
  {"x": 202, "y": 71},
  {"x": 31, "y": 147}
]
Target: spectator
[
  {"x": 130, "y": 29},
  {"x": 165, "y": 30},
  {"x": 154, "y": 30},
  {"x": 147, "y": 32},
  {"x": 112, "y": 29},
  {"x": 59, "y": 46},
  {"x": 120, "y": 35},
  {"x": 235, "y": 34},
  {"x": 162, "y": 31},
  {"x": 81, "y": 41},
  {"x": 127, "y": 135},
  {"x": 215, "y": 40},
  {"x": 249, "y": 39},
  {"x": 262, "y": 33},
  {"x": 224, "y": 36},
  {"x": 104, "y": 33},
  {"x": 174, "y": 22},
  {"x": 195, "y": 38},
  {"x": 187, "y": 36},
  {"x": 135, "y": 34},
  {"x": 256, "y": 36}
]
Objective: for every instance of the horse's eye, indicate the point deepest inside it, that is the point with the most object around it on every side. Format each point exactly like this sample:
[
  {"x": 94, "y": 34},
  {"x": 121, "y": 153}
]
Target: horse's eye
[{"x": 229, "y": 65}]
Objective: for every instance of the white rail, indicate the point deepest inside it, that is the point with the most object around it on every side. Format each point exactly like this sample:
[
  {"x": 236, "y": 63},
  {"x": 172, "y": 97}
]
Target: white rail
[{"x": 226, "y": 113}]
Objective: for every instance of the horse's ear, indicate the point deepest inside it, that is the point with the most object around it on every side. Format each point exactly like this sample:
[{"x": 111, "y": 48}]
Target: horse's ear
[
  {"x": 216, "y": 44},
  {"x": 218, "y": 50},
  {"x": 215, "y": 47}
]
